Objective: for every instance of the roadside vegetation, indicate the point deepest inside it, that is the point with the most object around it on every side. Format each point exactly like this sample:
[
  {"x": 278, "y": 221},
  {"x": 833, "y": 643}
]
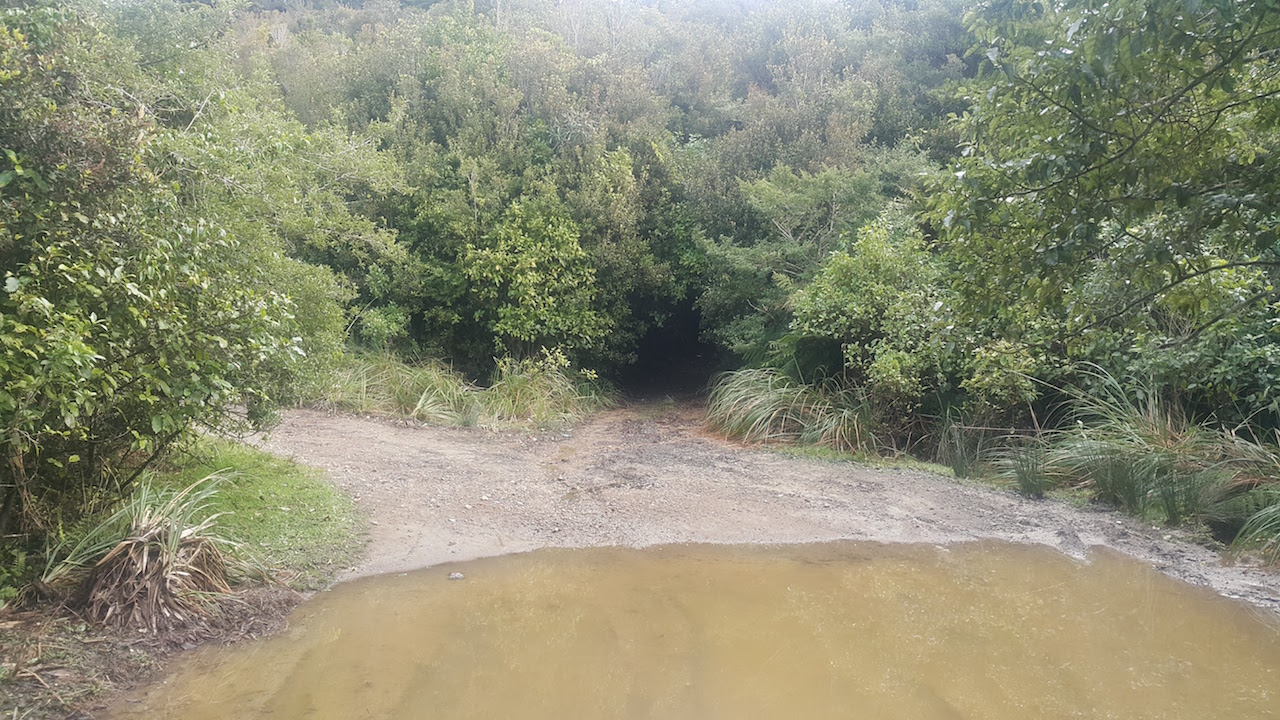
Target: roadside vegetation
[
  {"x": 216, "y": 543},
  {"x": 537, "y": 392},
  {"x": 1084, "y": 300},
  {"x": 216, "y": 515},
  {"x": 1025, "y": 239}
]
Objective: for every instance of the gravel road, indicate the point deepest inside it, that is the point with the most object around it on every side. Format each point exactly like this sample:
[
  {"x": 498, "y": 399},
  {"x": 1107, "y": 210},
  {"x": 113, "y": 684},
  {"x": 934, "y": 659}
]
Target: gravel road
[{"x": 647, "y": 474}]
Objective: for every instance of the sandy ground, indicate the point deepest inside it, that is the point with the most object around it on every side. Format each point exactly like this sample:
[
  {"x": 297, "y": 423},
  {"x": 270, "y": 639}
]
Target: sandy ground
[{"x": 647, "y": 474}]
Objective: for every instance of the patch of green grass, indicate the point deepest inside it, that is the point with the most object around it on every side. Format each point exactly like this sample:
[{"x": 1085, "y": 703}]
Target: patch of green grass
[
  {"x": 284, "y": 514},
  {"x": 895, "y": 462},
  {"x": 367, "y": 382},
  {"x": 1078, "y": 497}
]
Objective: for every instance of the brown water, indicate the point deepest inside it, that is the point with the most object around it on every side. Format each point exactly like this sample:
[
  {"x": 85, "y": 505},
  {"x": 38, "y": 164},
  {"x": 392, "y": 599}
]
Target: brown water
[{"x": 799, "y": 632}]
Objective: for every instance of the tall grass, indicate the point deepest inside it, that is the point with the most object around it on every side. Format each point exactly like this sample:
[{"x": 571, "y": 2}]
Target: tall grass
[
  {"x": 429, "y": 391},
  {"x": 539, "y": 392},
  {"x": 762, "y": 405},
  {"x": 1137, "y": 451},
  {"x": 154, "y": 563},
  {"x": 1025, "y": 466},
  {"x": 1261, "y": 531},
  {"x": 963, "y": 448}
]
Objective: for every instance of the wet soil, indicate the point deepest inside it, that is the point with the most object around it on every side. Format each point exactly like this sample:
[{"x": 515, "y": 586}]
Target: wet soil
[
  {"x": 647, "y": 474},
  {"x": 53, "y": 664}
]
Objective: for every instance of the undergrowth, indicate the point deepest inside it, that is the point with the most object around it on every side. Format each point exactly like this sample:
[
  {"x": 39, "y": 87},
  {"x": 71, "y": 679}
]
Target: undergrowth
[
  {"x": 1121, "y": 444},
  {"x": 156, "y": 562},
  {"x": 1130, "y": 448},
  {"x": 763, "y": 405},
  {"x": 365, "y": 382},
  {"x": 205, "y": 523},
  {"x": 542, "y": 391},
  {"x": 217, "y": 514}
]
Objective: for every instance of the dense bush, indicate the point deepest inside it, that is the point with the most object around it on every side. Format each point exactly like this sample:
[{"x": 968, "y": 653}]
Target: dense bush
[{"x": 131, "y": 311}]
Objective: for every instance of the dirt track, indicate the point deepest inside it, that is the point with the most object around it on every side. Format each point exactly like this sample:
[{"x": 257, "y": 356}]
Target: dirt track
[{"x": 647, "y": 474}]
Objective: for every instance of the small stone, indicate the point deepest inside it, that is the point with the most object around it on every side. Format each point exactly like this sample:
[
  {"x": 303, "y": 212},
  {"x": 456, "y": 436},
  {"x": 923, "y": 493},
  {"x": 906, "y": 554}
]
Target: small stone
[{"x": 456, "y": 576}]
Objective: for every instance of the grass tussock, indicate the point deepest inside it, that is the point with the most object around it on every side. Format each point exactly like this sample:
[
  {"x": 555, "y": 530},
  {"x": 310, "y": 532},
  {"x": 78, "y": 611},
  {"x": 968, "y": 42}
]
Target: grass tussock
[
  {"x": 762, "y": 405},
  {"x": 1261, "y": 532},
  {"x": 1024, "y": 466},
  {"x": 188, "y": 535},
  {"x": 540, "y": 392},
  {"x": 1130, "y": 448},
  {"x": 155, "y": 563}
]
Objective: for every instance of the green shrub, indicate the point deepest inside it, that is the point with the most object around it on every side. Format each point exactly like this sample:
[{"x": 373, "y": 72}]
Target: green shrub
[
  {"x": 130, "y": 311},
  {"x": 16, "y": 572},
  {"x": 999, "y": 382}
]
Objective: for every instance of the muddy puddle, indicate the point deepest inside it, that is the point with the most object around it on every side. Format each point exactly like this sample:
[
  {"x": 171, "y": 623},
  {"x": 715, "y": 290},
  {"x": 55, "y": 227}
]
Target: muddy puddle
[{"x": 843, "y": 630}]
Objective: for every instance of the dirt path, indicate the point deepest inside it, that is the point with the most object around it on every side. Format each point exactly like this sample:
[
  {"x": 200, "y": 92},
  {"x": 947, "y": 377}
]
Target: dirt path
[{"x": 646, "y": 475}]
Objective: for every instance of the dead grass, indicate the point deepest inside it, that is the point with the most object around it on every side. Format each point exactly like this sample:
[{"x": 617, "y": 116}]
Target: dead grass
[
  {"x": 156, "y": 563},
  {"x": 55, "y": 666}
]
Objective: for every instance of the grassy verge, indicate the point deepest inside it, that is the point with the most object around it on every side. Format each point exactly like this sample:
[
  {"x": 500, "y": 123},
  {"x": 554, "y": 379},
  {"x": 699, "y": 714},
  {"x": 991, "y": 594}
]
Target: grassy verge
[
  {"x": 285, "y": 515},
  {"x": 891, "y": 462},
  {"x": 1131, "y": 450},
  {"x": 1122, "y": 446},
  {"x": 541, "y": 392}
]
